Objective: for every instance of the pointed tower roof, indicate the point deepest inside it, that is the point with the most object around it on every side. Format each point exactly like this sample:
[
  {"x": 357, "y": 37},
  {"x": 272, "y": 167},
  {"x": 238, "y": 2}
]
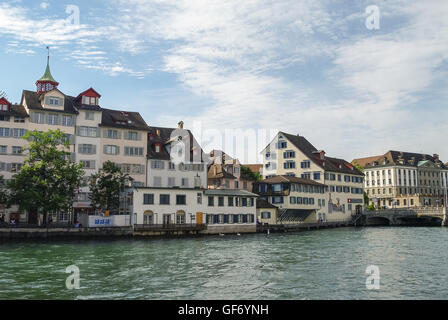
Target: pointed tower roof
[{"x": 47, "y": 75}]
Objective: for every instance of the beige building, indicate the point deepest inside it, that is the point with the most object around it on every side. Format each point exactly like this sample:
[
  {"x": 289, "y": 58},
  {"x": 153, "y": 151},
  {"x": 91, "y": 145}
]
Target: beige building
[
  {"x": 224, "y": 172},
  {"x": 95, "y": 135},
  {"x": 293, "y": 155},
  {"x": 404, "y": 179},
  {"x": 298, "y": 200}
]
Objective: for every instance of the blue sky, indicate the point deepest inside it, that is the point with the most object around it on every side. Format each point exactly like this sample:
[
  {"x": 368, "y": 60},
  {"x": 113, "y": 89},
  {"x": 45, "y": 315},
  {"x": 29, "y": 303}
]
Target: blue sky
[{"x": 309, "y": 67}]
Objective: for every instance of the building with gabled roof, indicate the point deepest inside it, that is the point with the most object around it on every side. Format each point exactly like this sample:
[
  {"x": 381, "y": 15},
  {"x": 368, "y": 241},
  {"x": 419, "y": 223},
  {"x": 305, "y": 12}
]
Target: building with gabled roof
[{"x": 294, "y": 156}]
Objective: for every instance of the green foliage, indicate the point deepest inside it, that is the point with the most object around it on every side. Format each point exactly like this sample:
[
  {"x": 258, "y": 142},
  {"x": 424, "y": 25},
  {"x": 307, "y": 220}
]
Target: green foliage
[
  {"x": 371, "y": 207},
  {"x": 366, "y": 198},
  {"x": 358, "y": 166},
  {"x": 106, "y": 185},
  {"x": 4, "y": 193},
  {"x": 249, "y": 174},
  {"x": 48, "y": 179}
]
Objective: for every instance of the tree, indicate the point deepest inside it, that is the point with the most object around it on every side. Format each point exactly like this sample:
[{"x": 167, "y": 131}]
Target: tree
[
  {"x": 249, "y": 174},
  {"x": 48, "y": 179},
  {"x": 106, "y": 186}
]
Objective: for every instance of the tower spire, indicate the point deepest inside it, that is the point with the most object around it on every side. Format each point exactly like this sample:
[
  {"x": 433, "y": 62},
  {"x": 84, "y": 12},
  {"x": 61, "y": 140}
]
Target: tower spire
[{"x": 46, "y": 82}]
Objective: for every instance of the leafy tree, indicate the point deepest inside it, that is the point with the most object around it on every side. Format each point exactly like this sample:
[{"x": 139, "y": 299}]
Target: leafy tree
[
  {"x": 48, "y": 179},
  {"x": 366, "y": 198},
  {"x": 106, "y": 185},
  {"x": 249, "y": 174},
  {"x": 358, "y": 166}
]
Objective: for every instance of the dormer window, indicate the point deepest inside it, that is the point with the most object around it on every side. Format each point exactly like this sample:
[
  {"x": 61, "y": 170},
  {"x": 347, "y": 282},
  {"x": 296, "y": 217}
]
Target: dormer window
[
  {"x": 90, "y": 97},
  {"x": 157, "y": 147},
  {"x": 53, "y": 101}
]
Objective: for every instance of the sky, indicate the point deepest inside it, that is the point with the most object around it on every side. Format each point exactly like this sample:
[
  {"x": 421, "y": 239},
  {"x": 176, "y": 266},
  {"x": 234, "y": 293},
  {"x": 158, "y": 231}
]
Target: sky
[{"x": 356, "y": 78}]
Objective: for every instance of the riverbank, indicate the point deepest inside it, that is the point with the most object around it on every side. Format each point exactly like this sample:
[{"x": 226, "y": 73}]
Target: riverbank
[{"x": 67, "y": 233}]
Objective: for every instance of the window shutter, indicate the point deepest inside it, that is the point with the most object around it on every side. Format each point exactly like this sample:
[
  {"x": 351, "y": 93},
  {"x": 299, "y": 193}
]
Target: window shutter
[{"x": 94, "y": 149}]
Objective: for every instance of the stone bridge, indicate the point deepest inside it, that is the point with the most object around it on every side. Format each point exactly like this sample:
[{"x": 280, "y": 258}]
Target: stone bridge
[{"x": 408, "y": 216}]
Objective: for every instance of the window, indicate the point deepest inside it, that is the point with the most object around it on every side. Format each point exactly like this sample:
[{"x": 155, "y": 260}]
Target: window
[
  {"x": 158, "y": 147},
  {"x": 292, "y": 200},
  {"x": 66, "y": 120},
  {"x": 87, "y": 149},
  {"x": 305, "y": 164},
  {"x": 306, "y": 175},
  {"x": 17, "y": 150},
  {"x": 111, "y": 134},
  {"x": 133, "y": 151},
  {"x": 4, "y": 107},
  {"x": 236, "y": 184},
  {"x": 211, "y": 201},
  {"x": 17, "y": 133},
  {"x": 53, "y": 101},
  {"x": 164, "y": 199},
  {"x": 19, "y": 119},
  {"x": 3, "y": 149},
  {"x": 88, "y": 164},
  {"x": 220, "y": 201},
  {"x": 230, "y": 201},
  {"x": 277, "y": 199},
  {"x": 157, "y": 181},
  {"x": 181, "y": 199},
  {"x": 148, "y": 198},
  {"x": 316, "y": 175},
  {"x": 199, "y": 198},
  {"x": 111, "y": 149},
  {"x": 171, "y": 166},
  {"x": 132, "y": 135},
  {"x": 90, "y": 115},
  {"x": 281, "y": 144},
  {"x": 266, "y": 215},
  {"x": 184, "y": 182},
  {"x": 289, "y": 154},
  {"x": 289, "y": 165},
  {"x": 157, "y": 164},
  {"x": 87, "y": 131},
  {"x": 171, "y": 181}
]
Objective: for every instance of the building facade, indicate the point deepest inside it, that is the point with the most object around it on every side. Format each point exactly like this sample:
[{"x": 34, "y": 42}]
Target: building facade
[
  {"x": 95, "y": 135},
  {"x": 224, "y": 172},
  {"x": 293, "y": 155},
  {"x": 222, "y": 211},
  {"x": 403, "y": 179}
]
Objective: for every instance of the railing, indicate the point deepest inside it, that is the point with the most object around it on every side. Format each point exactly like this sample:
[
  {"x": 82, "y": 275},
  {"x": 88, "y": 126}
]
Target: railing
[
  {"x": 170, "y": 227},
  {"x": 29, "y": 225}
]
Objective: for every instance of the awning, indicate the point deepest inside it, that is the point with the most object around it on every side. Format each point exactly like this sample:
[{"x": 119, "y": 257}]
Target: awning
[{"x": 295, "y": 215}]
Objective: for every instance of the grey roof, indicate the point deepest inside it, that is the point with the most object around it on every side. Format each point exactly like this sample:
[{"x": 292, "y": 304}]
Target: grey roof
[
  {"x": 229, "y": 192},
  {"x": 15, "y": 111},
  {"x": 398, "y": 158},
  {"x": 262, "y": 203},
  {"x": 33, "y": 102},
  {"x": 133, "y": 120},
  {"x": 329, "y": 163},
  {"x": 289, "y": 179},
  {"x": 162, "y": 136}
]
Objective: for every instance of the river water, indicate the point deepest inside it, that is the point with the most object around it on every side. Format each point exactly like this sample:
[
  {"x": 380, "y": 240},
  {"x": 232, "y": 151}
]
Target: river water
[{"x": 323, "y": 264}]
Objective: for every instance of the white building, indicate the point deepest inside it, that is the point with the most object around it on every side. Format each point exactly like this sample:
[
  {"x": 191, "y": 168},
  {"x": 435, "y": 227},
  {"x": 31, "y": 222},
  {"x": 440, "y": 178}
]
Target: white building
[
  {"x": 221, "y": 211},
  {"x": 169, "y": 164}
]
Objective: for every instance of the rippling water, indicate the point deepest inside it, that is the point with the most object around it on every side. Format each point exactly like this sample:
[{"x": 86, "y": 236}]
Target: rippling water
[{"x": 324, "y": 264}]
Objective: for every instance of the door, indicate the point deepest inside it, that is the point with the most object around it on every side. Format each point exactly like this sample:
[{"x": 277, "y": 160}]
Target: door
[
  {"x": 199, "y": 218},
  {"x": 166, "y": 219}
]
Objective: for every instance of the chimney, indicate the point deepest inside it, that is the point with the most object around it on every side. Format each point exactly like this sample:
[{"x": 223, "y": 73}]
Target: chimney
[{"x": 180, "y": 125}]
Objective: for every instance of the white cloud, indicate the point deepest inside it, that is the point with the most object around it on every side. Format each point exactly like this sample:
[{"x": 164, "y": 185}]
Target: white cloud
[{"x": 44, "y": 5}]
